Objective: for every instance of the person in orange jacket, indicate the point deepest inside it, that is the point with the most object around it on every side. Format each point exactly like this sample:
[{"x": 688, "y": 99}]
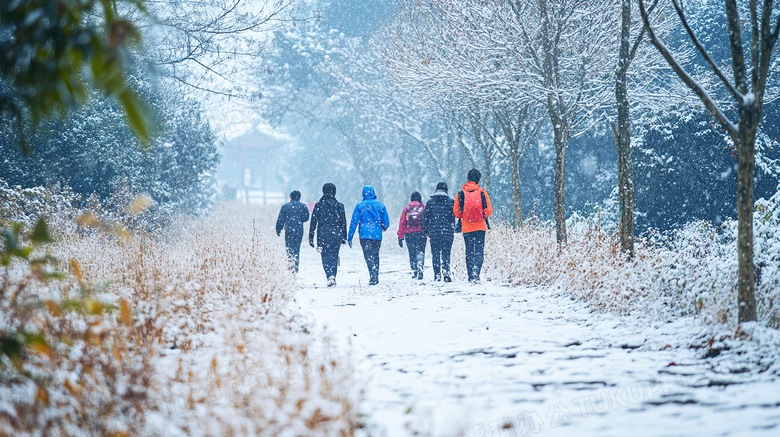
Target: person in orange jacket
[{"x": 472, "y": 206}]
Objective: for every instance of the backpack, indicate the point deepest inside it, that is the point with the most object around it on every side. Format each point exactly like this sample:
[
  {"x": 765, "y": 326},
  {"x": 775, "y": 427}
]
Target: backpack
[
  {"x": 414, "y": 217},
  {"x": 472, "y": 208}
]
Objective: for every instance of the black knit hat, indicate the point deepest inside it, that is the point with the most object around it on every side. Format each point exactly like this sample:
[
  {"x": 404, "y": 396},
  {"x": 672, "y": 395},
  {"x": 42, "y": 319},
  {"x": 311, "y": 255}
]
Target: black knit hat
[
  {"x": 442, "y": 186},
  {"x": 474, "y": 175},
  {"x": 416, "y": 197},
  {"x": 329, "y": 188}
]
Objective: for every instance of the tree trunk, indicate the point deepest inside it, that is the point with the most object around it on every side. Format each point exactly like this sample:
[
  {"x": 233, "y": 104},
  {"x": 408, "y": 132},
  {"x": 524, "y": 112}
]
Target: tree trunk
[
  {"x": 556, "y": 109},
  {"x": 748, "y": 124},
  {"x": 561, "y": 134},
  {"x": 623, "y": 138},
  {"x": 626, "y": 194},
  {"x": 517, "y": 198},
  {"x": 744, "y": 134}
]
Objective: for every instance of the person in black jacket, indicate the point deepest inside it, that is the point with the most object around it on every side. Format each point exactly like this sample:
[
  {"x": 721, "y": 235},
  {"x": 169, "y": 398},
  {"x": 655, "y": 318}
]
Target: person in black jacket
[
  {"x": 291, "y": 219},
  {"x": 330, "y": 221},
  {"x": 439, "y": 225}
]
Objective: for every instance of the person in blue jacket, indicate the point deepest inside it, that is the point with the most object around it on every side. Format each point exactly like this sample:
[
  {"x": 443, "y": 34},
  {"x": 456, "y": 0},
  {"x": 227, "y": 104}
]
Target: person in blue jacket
[
  {"x": 372, "y": 217},
  {"x": 291, "y": 219}
]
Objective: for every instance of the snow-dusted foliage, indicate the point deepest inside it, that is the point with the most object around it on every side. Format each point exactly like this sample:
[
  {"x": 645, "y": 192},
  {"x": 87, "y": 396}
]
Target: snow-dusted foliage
[
  {"x": 767, "y": 259},
  {"x": 187, "y": 333},
  {"x": 353, "y": 125},
  {"x": 94, "y": 153},
  {"x": 26, "y": 205},
  {"x": 690, "y": 271}
]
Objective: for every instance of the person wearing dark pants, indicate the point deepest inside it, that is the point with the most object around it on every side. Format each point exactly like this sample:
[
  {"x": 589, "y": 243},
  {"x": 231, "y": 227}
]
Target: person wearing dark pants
[
  {"x": 291, "y": 218},
  {"x": 292, "y": 241},
  {"x": 441, "y": 249},
  {"x": 472, "y": 206},
  {"x": 371, "y": 217},
  {"x": 439, "y": 226},
  {"x": 371, "y": 255},
  {"x": 330, "y": 263},
  {"x": 475, "y": 253},
  {"x": 415, "y": 244},
  {"x": 410, "y": 228},
  {"x": 329, "y": 220}
]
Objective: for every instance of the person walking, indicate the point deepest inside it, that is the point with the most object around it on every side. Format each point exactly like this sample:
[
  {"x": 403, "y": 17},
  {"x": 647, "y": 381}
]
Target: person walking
[
  {"x": 291, "y": 219},
  {"x": 371, "y": 216},
  {"x": 329, "y": 220},
  {"x": 472, "y": 206},
  {"x": 438, "y": 222},
  {"x": 410, "y": 228}
]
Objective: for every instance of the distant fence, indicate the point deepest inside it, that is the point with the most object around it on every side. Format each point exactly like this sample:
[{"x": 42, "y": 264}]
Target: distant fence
[{"x": 255, "y": 196}]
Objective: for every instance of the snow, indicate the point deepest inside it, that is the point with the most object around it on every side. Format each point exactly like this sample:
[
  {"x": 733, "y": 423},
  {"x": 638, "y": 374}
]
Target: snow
[
  {"x": 457, "y": 359},
  {"x": 597, "y": 346}
]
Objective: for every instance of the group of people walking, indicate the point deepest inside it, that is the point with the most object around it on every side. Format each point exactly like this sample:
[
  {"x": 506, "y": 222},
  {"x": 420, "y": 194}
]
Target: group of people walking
[{"x": 438, "y": 220}]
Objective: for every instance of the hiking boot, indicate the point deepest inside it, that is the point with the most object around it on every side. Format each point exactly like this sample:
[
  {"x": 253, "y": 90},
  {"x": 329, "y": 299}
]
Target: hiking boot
[
  {"x": 373, "y": 281},
  {"x": 447, "y": 277},
  {"x": 420, "y": 275},
  {"x": 474, "y": 281},
  {"x": 331, "y": 281},
  {"x": 436, "y": 277}
]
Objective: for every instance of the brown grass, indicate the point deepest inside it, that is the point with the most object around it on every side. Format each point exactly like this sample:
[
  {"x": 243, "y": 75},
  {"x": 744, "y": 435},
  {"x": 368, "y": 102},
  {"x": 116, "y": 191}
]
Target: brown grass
[
  {"x": 690, "y": 273},
  {"x": 196, "y": 333}
]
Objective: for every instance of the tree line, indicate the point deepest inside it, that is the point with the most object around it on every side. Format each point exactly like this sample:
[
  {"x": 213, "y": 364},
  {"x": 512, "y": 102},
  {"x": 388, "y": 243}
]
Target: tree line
[
  {"x": 518, "y": 87},
  {"x": 103, "y": 94}
]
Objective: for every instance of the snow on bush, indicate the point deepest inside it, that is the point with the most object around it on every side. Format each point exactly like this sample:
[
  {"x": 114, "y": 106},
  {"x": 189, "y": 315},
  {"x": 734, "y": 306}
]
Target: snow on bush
[
  {"x": 26, "y": 205},
  {"x": 184, "y": 333},
  {"x": 767, "y": 259},
  {"x": 689, "y": 272},
  {"x": 69, "y": 359},
  {"x": 126, "y": 209}
]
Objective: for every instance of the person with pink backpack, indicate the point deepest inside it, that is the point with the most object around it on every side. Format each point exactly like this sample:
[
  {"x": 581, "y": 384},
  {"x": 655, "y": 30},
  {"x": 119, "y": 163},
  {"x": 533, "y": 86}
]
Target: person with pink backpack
[{"x": 410, "y": 228}]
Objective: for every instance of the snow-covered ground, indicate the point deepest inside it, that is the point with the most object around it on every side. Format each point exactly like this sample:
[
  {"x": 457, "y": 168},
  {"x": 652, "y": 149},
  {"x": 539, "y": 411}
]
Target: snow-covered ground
[{"x": 488, "y": 360}]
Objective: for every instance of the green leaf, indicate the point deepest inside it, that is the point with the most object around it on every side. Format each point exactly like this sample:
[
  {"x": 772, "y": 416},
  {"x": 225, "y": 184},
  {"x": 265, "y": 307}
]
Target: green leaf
[
  {"x": 136, "y": 117},
  {"x": 12, "y": 348},
  {"x": 34, "y": 338},
  {"x": 55, "y": 276},
  {"x": 12, "y": 345},
  {"x": 24, "y": 252},
  {"x": 41, "y": 234},
  {"x": 10, "y": 240},
  {"x": 74, "y": 305}
]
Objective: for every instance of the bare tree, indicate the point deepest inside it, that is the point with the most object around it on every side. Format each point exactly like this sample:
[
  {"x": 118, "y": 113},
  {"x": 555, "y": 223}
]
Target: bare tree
[
  {"x": 621, "y": 129},
  {"x": 205, "y": 46},
  {"x": 634, "y": 54},
  {"x": 747, "y": 90},
  {"x": 508, "y": 134},
  {"x": 339, "y": 85},
  {"x": 461, "y": 56},
  {"x": 520, "y": 130},
  {"x": 570, "y": 43}
]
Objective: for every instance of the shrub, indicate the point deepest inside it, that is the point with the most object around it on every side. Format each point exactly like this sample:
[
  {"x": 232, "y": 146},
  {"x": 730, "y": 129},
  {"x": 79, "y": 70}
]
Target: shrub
[{"x": 687, "y": 272}]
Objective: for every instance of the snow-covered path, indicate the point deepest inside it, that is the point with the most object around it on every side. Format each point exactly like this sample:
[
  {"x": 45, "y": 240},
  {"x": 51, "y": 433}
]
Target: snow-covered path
[{"x": 489, "y": 360}]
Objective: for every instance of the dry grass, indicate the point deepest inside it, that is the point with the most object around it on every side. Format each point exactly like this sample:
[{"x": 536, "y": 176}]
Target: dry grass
[
  {"x": 198, "y": 339},
  {"x": 691, "y": 272}
]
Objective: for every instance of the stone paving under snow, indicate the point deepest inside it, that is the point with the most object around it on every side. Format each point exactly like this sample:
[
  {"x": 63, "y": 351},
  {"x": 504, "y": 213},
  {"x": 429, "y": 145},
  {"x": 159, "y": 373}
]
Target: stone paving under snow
[{"x": 492, "y": 360}]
